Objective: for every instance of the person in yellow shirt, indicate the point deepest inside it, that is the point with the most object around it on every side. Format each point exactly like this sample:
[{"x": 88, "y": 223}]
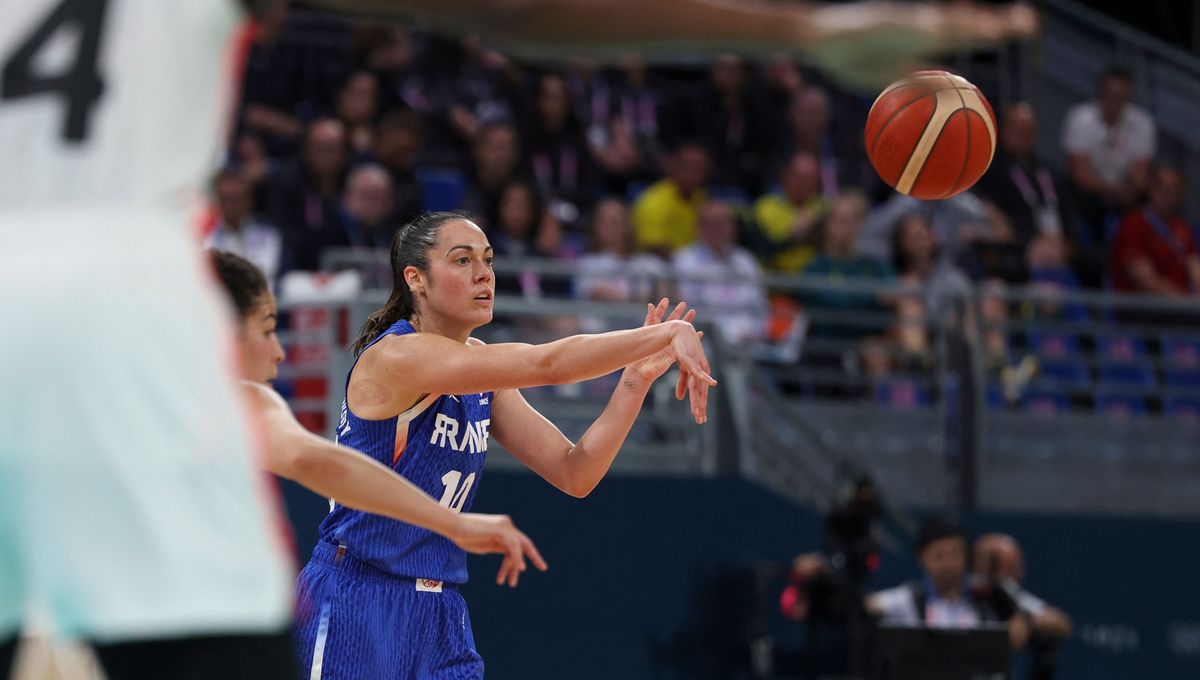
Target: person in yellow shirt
[
  {"x": 787, "y": 220},
  {"x": 664, "y": 215}
]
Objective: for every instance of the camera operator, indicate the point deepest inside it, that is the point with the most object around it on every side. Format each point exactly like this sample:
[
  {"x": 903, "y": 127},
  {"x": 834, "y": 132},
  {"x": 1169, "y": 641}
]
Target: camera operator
[
  {"x": 945, "y": 597},
  {"x": 998, "y": 561}
]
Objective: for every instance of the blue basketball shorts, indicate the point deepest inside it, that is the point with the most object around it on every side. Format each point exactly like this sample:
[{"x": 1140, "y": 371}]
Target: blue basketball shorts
[{"x": 355, "y": 622}]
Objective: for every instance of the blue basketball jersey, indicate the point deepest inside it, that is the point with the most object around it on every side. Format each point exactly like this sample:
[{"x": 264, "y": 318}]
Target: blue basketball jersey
[{"x": 440, "y": 445}]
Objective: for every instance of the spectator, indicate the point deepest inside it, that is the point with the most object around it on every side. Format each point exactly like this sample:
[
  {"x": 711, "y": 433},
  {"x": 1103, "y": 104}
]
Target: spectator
[
  {"x": 238, "y": 231},
  {"x": 557, "y": 150},
  {"x": 623, "y": 127},
  {"x": 366, "y": 210},
  {"x": 916, "y": 261},
  {"x": 302, "y": 196},
  {"x": 1110, "y": 144},
  {"x": 731, "y": 118},
  {"x": 357, "y": 106},
  {"x": 836, "y": 262},
  {"x": 1154, "y": 250},
  {"x": 612, "y": 271},
  {"x": 664, "y": 215},
  {"x": 998, "y": 561},
  {"x": 397, "y": 144},
  {"x": 1030, "y": 196},
  {"x": 787, "y": 221},
  {"x": 1050, "y": 276},
  {"x": 524, "y": 228},
  {"x": 839, "y": 152},
  {"x": 944, "y": 598},
  {"x": 269, "y": 99},
  {"x": 496, "y": 154},
  {"x": 386, "y": 50},
  {"x": 721, "y": 278}
]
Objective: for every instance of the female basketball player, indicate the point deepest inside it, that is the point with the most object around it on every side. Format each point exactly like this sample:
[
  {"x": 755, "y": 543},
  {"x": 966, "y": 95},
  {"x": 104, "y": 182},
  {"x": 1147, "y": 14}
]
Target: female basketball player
[
  {"x": 380, "y": 599},
  {"x": 335, "y": 471}
]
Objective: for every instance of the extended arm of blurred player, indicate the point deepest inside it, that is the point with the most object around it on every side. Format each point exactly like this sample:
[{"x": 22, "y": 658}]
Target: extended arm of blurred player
[
  {"x": 851, "y": 37},
  {"x": 575, "y": 468},
  {"x": 359, "y": 482}
]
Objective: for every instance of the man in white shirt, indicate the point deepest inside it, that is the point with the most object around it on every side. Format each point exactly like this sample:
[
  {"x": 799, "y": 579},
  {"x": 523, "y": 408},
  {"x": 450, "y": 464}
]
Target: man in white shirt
[
  {"x": 1110, "y": 145},
  {"x": 721, "y": 278},
  {"x": 238, "y": 231}
]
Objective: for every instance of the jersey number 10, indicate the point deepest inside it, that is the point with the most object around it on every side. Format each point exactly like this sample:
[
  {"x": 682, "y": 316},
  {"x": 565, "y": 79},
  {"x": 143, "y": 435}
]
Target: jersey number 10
[{"x": 80, "y": 84}]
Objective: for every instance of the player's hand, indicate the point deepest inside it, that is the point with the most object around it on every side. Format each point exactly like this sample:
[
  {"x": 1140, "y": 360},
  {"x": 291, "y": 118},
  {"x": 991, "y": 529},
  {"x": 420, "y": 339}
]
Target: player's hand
[
  {"x": 654, "y": 366},
  {"x": 694, "y": 374},
  {"x": 485, "y": 534}
]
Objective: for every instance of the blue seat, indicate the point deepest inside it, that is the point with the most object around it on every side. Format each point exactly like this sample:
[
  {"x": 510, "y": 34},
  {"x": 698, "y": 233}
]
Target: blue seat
[
  {"x": 902, "y": 394},
  {"x": 1181, "y": 377},
  {"x": 1186, "y": 407},
  {"x": 1181, "y": 352},
  {"x": 1121, "y": 349},
  {"x": 1120, "y": 403},
  {"x": 1046, "y": 400},
  {"x": 1054, "y": 345},
  {"x": 442, "y": 188},
  {"x": 1131, "y": 374},
  {"x": 1065, "y": 374}
]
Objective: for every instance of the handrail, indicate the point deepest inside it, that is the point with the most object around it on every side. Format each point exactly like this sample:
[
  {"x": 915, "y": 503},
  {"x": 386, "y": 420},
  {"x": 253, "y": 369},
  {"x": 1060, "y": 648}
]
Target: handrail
[{"x": 1144, "y": 41}]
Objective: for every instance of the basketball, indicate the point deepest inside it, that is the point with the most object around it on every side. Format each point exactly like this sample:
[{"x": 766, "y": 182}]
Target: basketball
[{"x": 931, "y": 135}]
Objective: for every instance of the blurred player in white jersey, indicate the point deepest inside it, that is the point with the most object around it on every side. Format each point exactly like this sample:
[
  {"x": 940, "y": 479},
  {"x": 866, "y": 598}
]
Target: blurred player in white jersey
[{"x": 131, "y": 513}]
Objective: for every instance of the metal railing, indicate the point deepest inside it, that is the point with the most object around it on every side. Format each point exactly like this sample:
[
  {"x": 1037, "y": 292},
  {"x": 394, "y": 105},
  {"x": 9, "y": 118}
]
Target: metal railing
[{"x": 979, "y": 424}]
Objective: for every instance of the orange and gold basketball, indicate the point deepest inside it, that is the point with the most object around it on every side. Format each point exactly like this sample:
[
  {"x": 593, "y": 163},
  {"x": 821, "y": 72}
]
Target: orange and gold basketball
[{"x": 931, "y": 135}]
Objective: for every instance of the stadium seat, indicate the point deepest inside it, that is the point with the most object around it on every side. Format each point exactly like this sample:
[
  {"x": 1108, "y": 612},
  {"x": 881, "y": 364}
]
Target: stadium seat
[
  {"x": 1065, "y": 374},
  {"x": 1120, "y": 348},
  {"x": 442, "y": 188},
  {"x": 1181, "y": 377},
  {"x": 1181, "y": 352},
  {"x": 1127, "y": 374},
  {"x": 1120, "y": 403},
  {"x": 1054, "y": 345},
  {"x": 902, "y": 394},
  {"x": 1042, "y": 399},
  {"x": 1186, "y": 407}
]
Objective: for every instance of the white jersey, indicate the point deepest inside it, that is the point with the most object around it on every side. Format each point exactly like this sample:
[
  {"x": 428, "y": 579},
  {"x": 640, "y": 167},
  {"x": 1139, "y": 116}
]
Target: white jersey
[{"x": 130, "y": 503}]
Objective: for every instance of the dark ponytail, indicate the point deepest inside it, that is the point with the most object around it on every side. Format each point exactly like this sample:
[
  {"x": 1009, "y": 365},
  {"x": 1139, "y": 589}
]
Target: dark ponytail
[{"x": 410, "y": 247}]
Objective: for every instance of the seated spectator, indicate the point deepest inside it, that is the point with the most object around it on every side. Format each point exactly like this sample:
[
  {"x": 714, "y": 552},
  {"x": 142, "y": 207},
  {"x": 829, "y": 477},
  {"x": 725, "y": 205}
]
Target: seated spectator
[
  {"x": 997, "y": 560},
  {"x": 397, "y": 144},
  {"x": 732, "y": 120},
  {"x": 837, "y": 144},
  {"x": 838, "y": 261},
  {"x": 1154, "y": 250},
  {"x": 366, "y": 210},
  {"x": 496, "y": 157},
  {"x": 612, "y": 271},
  {"x": 1050, "y": 276},
  {"x": 238, "y": 231},
  {"x": 787, "y": 221},
  {"x": 916, "y": 261},
  {"x": 944, "y": 597},
  {"x": 524, "y": 228},
  {"x": 623, "y": 126},
  {"x": 722, "y": 279},
  {"x": 270, "y": 102},
  {"x": 386, "y": 50},
  {"x": 1110, "y": 144},
  {"x": 664, "y": 215},
  {"x": 1031, "y": 197},
  {"x": 557, "y": 150},
  {"x": 356, "y": 105},
  {"x": 302, "y": 196}
]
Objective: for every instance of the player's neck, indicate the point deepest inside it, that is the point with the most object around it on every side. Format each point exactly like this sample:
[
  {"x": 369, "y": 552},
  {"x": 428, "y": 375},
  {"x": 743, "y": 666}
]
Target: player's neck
[{"x": 437, "y": 326}]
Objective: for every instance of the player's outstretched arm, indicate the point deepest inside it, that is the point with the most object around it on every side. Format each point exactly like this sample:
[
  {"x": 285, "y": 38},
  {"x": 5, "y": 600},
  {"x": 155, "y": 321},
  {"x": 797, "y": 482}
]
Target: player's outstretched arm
[
  {"x": 359, "y": 482},
  {"x": 576, "y": 468},
  {"x": 397, "y": 371},
  {"x": 869, "y": 40}
]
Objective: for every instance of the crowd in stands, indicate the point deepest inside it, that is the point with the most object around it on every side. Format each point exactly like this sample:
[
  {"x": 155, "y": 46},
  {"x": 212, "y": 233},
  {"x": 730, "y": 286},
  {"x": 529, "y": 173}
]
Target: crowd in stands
[{"x": 718, "y": 173}]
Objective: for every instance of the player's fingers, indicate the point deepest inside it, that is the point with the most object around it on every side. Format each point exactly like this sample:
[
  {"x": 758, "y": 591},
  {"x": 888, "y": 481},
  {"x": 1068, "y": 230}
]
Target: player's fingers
[
  {"x": 505, "y": 566},
  {"x": 678, "y": 311},
  {"x": 698, "y": 393},
  {"x": 649, "y": 314},
  {"x": 681, "y": 385},
  {"x": 532, "y": 551},
  {"x": 690, "y": 315}
]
